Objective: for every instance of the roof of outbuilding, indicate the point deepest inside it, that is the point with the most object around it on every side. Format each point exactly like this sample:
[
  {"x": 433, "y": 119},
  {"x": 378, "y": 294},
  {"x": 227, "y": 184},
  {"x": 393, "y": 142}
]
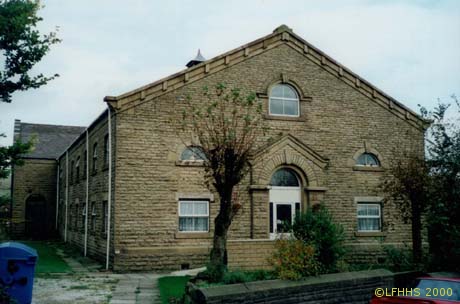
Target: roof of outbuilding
[{"x": 49, "y": 140}]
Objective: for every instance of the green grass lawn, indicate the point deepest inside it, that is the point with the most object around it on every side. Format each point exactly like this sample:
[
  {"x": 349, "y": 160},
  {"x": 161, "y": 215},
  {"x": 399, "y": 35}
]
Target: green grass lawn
[
  {"x": 172, "y": 287},
  {"x": 48, "y": 260}
]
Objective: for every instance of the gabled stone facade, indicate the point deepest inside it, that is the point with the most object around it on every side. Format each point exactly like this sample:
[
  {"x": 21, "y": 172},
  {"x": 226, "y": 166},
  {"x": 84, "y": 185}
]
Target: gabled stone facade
[{"x": 341, "y": 116}]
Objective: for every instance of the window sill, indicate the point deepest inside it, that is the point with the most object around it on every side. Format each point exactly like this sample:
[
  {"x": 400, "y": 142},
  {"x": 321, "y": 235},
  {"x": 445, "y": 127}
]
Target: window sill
[
  {"x": 370, "y": 233},
  {"x": 284, "y": 118},
  {"x": 368, "y": 169},
  {"x": 190, "y": 163},
  {"x": 193, "y": 235}
]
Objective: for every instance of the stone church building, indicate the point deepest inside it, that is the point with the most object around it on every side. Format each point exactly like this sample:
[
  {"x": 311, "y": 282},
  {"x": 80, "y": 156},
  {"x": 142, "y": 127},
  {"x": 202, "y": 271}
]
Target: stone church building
[{"x": 128, "y": 192}]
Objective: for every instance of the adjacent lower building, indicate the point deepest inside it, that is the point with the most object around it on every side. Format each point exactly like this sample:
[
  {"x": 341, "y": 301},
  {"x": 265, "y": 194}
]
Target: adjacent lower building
[
  {"x": 33, "y": 191},
  {"x": 131, "y": 193}
]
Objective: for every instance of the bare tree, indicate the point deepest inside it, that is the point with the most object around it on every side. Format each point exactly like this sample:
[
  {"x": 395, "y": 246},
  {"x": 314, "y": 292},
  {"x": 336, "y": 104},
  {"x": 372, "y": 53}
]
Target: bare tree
[{"x": 224, "y": 125}]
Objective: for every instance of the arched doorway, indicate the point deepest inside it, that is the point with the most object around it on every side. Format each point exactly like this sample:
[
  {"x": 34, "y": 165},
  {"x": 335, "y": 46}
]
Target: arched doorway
[
  {"x": 285, "y": 197},
  {"x": 36, "y": 217}
]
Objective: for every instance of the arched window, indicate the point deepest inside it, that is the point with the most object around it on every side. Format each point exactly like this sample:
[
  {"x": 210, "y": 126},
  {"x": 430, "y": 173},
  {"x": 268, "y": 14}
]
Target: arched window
[
  {"x": 192, "y": 153},
  {"x": 284, "y": 101},
  {"x": 368, "y": 159},
  {"x": 285, "y": 177}
]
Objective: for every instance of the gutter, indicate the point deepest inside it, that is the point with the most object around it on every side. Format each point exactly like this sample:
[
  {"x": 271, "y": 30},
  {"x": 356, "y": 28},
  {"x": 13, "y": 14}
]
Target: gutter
[
  {"x": 57, "y": 194},
  {"x": 87, "y": 192},
  {"x": 66, "y": 193},
  {"x": 109, "y": 186}
]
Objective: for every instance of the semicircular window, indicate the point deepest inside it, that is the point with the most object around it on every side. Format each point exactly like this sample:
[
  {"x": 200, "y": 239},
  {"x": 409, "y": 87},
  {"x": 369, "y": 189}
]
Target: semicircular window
[
  {"x": 368, "y": 159},
  {"x": 284, "y": 101},
  {"x": 284, "y": 177},
  {"x": 192, "y": 153}
]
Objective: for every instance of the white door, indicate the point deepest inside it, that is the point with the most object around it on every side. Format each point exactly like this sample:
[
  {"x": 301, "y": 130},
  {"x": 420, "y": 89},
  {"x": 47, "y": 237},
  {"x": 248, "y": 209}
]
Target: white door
[{"x": 284, "y": 200}]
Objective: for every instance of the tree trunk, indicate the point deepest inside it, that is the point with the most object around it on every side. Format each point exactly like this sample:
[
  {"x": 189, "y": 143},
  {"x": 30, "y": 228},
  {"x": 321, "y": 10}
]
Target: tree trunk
[
  {"x": 222, "y": 222},
  {"x": 416, "y": 234}
]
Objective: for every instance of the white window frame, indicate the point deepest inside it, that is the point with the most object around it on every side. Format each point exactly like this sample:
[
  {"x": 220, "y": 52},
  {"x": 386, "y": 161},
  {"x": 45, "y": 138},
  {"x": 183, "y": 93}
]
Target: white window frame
[
  {"x": 192, "y": 216},
  {"x": 369, "y": 201},
  {"x": 283, "y": 99}
]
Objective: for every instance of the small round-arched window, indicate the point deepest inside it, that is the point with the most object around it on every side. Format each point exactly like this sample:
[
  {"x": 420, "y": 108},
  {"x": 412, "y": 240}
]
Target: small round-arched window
[
  {"x": 192, "y": 153},
  {"x": 368, "y": 159},
  {"x": 283, "y": 101},
  {"x": 284, "y": 177}
]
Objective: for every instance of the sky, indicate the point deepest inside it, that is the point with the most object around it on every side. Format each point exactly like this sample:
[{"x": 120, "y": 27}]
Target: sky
[{"x": 408, "y": 48}]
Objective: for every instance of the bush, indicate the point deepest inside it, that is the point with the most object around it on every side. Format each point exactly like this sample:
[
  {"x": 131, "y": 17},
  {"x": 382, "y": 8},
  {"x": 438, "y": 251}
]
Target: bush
[
  {"x": 398, "y": 259},
  {"x": 234, "y": 277},
  {"x": 316, "y": 227},
  {"x": 294, "y": 259}
]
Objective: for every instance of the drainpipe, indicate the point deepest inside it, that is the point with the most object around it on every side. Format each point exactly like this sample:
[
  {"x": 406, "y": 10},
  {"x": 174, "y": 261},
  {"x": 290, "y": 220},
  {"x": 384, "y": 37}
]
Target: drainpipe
[
  {"x": 251, "y": 197},
  {"x": 109, "y": 186},
  {"x": 66, "y": 192},
  {"x": 87, "y": 192},
  {"x": 57, "y": 194}
]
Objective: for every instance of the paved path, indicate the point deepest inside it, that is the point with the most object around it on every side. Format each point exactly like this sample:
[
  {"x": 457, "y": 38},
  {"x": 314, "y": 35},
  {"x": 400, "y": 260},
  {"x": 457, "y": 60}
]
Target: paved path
[
  {"x": 136, "y": 289},
  {"x": 131, "y": 288}
]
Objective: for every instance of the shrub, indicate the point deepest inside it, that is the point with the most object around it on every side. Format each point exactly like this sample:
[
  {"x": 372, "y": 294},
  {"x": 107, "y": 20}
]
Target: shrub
[
  {"x": 398, "y": 259},
  {"x": 294, "y": 259},
  {"x": 316, "y": 227}
]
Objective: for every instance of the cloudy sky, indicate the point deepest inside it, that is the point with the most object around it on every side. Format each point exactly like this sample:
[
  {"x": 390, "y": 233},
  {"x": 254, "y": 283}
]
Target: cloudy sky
[{"x": 410, "y": 49}]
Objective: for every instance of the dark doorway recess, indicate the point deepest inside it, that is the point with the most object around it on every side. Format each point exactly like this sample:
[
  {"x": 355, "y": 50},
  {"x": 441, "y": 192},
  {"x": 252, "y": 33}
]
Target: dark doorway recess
[{"x": 36, "y": 217}]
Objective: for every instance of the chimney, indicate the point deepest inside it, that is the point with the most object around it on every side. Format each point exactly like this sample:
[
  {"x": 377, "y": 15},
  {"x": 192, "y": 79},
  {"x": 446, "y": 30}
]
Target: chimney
[
  {"x": 197, "y": 60},
  {"x": 17, "y": 130}
]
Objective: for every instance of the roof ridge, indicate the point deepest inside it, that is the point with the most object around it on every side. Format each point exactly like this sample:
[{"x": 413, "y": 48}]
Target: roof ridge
[
  {"x": 281, "y": 35},
  {"x": 49, "y": 125}
]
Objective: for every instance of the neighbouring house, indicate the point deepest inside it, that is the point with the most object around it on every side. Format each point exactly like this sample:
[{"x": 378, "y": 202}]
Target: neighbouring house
[
  {"x": 131, "y": 194},
  {"x": 33, "y": 191}
]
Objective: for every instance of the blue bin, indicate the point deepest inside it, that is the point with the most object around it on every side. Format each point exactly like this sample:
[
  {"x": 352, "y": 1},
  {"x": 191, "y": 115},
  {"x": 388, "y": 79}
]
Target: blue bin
[{"x": 17, "y": 267}]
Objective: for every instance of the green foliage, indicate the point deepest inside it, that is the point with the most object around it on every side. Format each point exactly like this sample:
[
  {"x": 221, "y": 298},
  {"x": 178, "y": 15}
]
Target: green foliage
[
  {"x": 444, "y": 207},
  {"x": 317, "y": 227},
  {"x": 22, "y": 46},
  {"x": 398, "y": 259},
  {"x": 225, "y": 123},
  {"x": 172, "y": 289},
  {"x": 215, "y": 272},
  {"x": 11, "y": 156},
  {"x": 294, "y": 259},
  {"x": 235, "y": 277}
]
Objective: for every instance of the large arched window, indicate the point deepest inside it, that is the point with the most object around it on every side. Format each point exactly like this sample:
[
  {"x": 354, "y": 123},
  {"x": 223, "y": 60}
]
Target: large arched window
[
  {"x": 284, "y": 177},
  {"x": 284, "y": 101},
  {"x": 192, "y": 153},
  {"x": 368, "y": 159}
]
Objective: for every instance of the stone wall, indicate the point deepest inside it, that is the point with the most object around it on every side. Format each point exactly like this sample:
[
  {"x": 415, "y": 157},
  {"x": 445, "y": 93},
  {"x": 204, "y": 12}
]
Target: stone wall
[
  {"x": 36, "y": 177},
  {"x": 337, "y": 121},
  {"x": 352, "y": 287},
  {"x": 73, "y": 198}
]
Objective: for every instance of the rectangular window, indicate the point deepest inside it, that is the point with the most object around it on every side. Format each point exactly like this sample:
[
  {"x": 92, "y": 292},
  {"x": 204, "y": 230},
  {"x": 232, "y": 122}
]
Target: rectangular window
[
  {"x": 369, "y": 217},
  {"x": 71, "y": 171},
  {"x": 106, "y": 150},
  {"x": 194, "y": 215},
  {"x": 85, "y": 163},
  {"x": 94, "y": 168},
  {"x": 105, "y": 210},
  {"x": 77, "y": 169},
  {"x": 83, "y": 216},
  {"x": 93, "y": 216}
]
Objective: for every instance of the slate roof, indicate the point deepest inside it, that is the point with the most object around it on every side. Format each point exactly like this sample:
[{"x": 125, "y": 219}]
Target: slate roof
[{"x": 50, "y": 140}]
